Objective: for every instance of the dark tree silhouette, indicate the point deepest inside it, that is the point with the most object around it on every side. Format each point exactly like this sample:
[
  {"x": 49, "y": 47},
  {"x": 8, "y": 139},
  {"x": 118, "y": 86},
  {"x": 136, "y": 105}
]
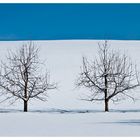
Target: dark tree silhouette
[
  {"x": 20, "y": 77},
  {"x": 109, "y": 77}
]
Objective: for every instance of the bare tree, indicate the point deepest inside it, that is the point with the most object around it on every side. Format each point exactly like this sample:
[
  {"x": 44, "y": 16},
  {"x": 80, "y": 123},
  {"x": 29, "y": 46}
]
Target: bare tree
[
  {"x": 21, "y": 78},
  {"x": 109, "y": 77}
]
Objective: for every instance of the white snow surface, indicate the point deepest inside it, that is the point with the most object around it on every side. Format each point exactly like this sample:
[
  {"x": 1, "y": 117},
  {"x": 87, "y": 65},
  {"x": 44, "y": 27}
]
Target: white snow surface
[
  {"x": 74, "y": 123},
  {"x": 64, "y": 114}
]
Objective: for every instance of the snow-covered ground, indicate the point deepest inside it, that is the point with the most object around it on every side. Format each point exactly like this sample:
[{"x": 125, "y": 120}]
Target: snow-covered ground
[
  {"x": 73, "y": 123},
  {"x": 65, "y": 114}
]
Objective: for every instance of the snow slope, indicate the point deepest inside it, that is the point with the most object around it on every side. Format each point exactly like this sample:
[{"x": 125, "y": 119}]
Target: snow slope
[
  {"x": 63, "y": 60},
  {"x": 95, "y": 123}
]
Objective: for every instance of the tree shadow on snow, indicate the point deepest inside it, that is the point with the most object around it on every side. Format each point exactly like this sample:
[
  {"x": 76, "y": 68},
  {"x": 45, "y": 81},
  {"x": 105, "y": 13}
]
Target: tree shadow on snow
[
  {"x": 10, "y": 110},
  {"x": 130, "y": 122},
  {"x": 126, "y": 110},
  {"x": 67, "y": 111},
  {"x": 74, "y": 111},
  {"x": 52, "y": 110},
  {"x": 133, "y": 122}
]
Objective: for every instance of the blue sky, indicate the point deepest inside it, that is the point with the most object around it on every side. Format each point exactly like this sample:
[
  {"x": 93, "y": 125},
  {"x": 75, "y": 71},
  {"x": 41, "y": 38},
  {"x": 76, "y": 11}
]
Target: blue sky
[{"x": 69, "y": 21}]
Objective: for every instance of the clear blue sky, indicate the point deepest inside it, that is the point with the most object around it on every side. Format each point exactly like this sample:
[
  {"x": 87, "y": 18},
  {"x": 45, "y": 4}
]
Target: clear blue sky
[{"x": 69, "y": 21}]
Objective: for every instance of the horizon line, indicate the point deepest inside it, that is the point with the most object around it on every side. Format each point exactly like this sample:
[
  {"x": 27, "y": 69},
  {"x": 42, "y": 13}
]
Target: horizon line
[{"x": 67, "y": 39}]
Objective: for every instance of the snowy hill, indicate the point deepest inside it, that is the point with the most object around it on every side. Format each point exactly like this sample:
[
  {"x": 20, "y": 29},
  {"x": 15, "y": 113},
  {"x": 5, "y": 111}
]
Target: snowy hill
[{"x": 63, "y": 59}]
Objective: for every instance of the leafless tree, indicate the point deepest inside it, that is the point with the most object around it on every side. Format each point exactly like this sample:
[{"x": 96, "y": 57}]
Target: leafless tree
[
  {"x": 21, "y": 78},
  {"x": 109, "y": 76}
]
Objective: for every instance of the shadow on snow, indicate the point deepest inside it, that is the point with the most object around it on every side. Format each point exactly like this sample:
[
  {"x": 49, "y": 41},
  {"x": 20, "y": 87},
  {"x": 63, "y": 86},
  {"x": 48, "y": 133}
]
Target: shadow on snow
[
  {"x": 133, "y": 122},
  {"x": 69, "y": 111}
]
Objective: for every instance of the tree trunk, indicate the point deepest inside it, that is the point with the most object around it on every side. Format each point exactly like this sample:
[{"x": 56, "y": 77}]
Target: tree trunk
[
  {"x": 106, "y": 86},
  {"x": 106, "y": 106},
  {"x": 25, "y": 106}
]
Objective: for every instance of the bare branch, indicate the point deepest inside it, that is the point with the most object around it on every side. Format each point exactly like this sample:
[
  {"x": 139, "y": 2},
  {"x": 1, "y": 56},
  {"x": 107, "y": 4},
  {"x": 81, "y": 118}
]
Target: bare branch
[
  {"x": 110, "y": 75},
  {"x": 20, "y": 77}
]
